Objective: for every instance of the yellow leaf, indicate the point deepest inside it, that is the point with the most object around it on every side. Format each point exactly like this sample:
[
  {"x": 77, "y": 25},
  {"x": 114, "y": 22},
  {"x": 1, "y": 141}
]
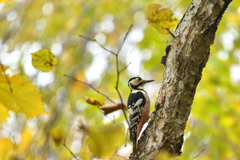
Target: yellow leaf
[
  {"x": 3, "y": 112},
  {"x": 24, "y": 98},
  {"x": 26, "y": 140},
  {"x": 44, "y": 60},
  {"x": 228, "y": 121},
  {"x": 57, "y": 134},
  {"x": 4, "y": 1},
  {"x": 160, "y": 18},
  {"x": 6, "y": 148},
  {"x": 105, "y": 142},
  {"x": 93, "y": 101},
  {"x": 84, "y": 153}
]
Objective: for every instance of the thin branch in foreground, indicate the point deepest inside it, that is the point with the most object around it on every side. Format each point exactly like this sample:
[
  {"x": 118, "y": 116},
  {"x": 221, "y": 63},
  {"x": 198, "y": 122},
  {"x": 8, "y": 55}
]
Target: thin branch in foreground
[
  {"x": 123, "y": 109},
  {"x": 90, "y": 87},
  {"x": 64, "y": 144},
  {"x": 199, "y": 153},
  {"x": 120, "y": 48},
  {"x": 171, "y": 33},
  {"x": 9, "y": 84},
  {"x": 117, "y": 68},
  {"x": 94, "y": 40},
  {"x": 118, "y": 72},
  {"x": 124, "y": 68}
]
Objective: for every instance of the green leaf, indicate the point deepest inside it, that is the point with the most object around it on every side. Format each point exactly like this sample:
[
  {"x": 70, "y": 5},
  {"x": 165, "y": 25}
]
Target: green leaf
[{"x": 44, "y": 60}]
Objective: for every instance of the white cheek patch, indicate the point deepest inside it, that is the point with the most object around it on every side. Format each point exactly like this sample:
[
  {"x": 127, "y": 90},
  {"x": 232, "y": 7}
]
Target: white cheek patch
[{"x": 134, "y": 82}]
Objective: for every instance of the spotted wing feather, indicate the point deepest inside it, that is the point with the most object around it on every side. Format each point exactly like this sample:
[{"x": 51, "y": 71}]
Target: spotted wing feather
[{"x": 135, "y": 104}]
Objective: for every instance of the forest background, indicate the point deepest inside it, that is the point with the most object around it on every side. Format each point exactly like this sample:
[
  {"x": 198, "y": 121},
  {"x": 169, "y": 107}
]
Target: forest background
[{"x": 70, "y": 122}]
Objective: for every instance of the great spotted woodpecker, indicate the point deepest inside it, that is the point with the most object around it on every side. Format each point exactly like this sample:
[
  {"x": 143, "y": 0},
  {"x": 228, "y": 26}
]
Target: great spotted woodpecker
[{"x": 138, "y": 106}]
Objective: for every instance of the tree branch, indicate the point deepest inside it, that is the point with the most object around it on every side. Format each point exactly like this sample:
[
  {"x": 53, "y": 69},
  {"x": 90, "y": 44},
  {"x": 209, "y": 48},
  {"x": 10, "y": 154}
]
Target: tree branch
[
  {"x": 117, "y": 67},
  {"x": 91, "y": 87},
  {"x": 199, "y": 153},
  {"x": 94, "y": 40},
  {"x": 64, "y": 144},
  {"x": 118, "y": 72},
  {"x": 186, "y": 59},
  {"x": 124, "y": 67},
  {"x": 120, "y": 48}
]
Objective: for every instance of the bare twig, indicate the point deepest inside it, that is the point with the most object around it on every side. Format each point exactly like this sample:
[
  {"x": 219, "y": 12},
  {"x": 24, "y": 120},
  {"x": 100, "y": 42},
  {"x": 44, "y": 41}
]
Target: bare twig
[
  {"x": 124, "y": 68},
  {"x": 9, "y": 84},
  {"x": 123, "y": 109},
  {"x": 120, "y": 48},
  {"x": 94, "y": 40},
  {"x": 64, "y": 144},
  {"x": 91, "y": 87},
  {"x": 199, "y": 153},
  {"x": 118, "y": 72},
  {"x": 117, "y": 68},
  {"x": 171, "y": 33}
]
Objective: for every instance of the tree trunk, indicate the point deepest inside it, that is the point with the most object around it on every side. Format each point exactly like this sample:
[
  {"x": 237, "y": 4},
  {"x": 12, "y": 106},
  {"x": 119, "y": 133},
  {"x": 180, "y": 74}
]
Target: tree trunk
[{"x": 187, "y": 55}]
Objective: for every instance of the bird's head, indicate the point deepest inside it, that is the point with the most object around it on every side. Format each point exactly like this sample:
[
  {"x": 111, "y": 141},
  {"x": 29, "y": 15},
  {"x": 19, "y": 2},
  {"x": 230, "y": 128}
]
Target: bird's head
[{"x": 137, "y": 83}]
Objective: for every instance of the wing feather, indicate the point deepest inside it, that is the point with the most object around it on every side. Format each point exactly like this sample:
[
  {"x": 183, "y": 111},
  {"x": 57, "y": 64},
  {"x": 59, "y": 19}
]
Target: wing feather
[{"x": 135, "y": 104}]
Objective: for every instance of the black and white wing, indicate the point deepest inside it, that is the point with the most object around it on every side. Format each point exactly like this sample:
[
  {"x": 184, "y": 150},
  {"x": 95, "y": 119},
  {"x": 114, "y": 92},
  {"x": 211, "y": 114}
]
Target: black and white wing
[{"x": 136, "y": 102}]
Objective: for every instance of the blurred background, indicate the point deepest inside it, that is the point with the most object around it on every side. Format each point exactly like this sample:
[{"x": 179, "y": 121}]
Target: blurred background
[{"x": 26, "y": 26}]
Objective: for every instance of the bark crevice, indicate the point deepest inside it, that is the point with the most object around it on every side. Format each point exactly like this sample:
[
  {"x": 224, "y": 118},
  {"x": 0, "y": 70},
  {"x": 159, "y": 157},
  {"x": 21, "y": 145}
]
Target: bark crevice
[{"x": 184, "y": 62}]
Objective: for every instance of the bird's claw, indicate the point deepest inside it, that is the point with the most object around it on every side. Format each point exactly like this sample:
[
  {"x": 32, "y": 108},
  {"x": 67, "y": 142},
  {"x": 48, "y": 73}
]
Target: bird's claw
[{"x": 156, "y": 114}]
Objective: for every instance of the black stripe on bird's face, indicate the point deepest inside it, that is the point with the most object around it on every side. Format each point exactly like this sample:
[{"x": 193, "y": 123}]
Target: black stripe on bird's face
[
  {"x": 134, "y": 86},
  {"x": 137, "y": 83},
  {"x": 134, "y": 82}
]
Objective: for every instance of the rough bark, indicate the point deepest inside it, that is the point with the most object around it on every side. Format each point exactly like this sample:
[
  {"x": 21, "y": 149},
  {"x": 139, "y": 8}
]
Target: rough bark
[{"x": 187, "y": 56}]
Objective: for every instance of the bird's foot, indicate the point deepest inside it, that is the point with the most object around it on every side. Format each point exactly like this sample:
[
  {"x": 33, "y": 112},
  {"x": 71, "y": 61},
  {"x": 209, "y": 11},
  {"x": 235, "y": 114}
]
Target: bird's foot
[{"x": 156, "y": 113}]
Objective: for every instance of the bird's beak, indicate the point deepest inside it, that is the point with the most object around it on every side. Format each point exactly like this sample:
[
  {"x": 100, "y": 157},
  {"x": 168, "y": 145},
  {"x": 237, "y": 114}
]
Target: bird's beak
[{"x": 147, "y": 81}]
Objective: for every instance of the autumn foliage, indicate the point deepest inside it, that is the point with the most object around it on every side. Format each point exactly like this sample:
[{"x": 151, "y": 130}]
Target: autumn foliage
[
  {"x": 46, "y": 115},
  {"x": 19, "y": 95}
]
